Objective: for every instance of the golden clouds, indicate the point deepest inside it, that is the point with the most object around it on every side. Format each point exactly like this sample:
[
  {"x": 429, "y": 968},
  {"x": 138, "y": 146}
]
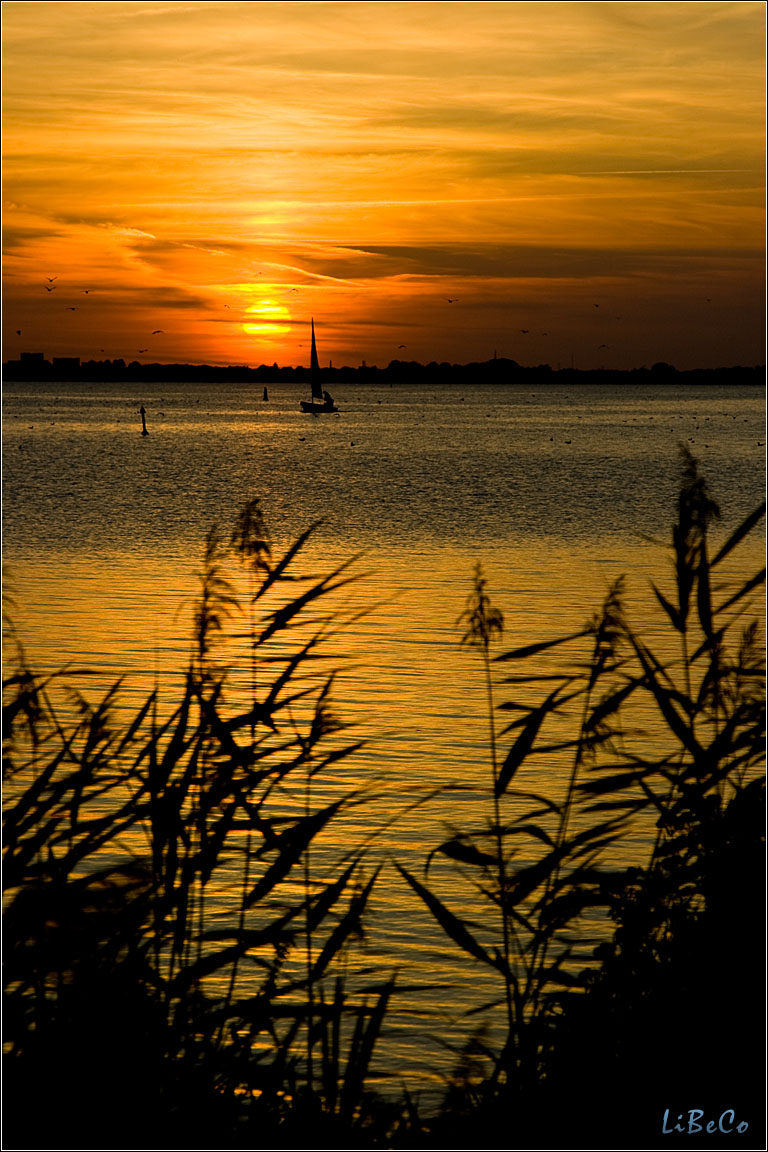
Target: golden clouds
[{"x": 193, "y": 147}]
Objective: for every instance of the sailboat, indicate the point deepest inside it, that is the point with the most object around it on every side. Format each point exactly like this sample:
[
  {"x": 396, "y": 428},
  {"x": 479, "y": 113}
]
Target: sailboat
[{"x": 321, "y": 401}]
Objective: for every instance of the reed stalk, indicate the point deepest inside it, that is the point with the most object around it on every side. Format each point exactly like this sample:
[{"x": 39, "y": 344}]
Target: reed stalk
[
  {"x": 198, "y": 785},
  {"x": 249, "y": 1030},
  {"x": 485, "y": 624},
  {"x": 710, "y": 708}
]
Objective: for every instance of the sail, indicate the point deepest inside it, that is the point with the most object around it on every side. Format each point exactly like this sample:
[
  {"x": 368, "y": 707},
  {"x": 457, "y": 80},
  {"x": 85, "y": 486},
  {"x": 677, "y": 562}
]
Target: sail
[{"x": 314, "y": 367}]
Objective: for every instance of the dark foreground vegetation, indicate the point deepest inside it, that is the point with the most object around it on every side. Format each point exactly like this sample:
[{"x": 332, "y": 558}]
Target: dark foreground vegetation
[{"x": 135, "y": 1016}]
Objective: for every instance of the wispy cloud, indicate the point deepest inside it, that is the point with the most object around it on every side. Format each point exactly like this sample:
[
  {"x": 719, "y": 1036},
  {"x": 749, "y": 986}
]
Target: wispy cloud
[{"x": 377, "y": 150}]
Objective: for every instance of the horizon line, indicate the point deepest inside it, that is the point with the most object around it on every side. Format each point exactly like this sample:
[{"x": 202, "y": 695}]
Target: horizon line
[{"x": 30, "y": 359}]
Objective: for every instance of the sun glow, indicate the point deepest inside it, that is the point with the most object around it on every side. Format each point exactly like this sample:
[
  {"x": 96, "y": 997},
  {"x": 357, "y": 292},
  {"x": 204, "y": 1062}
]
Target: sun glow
[
  {"x": 266, "y": 313},
  {"x": 443, "y": 187}
]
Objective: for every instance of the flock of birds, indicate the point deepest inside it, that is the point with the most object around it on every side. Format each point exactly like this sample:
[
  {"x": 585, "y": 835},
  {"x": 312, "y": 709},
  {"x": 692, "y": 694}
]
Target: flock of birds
[
  {"x": 527, "y": 331},
  {"x": 51, "y": 287}
]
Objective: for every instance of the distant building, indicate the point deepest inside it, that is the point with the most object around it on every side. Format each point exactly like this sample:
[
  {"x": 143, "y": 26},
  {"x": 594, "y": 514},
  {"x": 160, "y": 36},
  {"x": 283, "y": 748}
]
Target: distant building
[
  {"x": 29, "y": 366},
  {"x": 66, "y": 363}
]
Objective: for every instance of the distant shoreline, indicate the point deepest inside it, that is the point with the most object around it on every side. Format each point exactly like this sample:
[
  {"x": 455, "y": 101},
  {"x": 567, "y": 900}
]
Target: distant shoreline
[{"x": 502, "y": 371}]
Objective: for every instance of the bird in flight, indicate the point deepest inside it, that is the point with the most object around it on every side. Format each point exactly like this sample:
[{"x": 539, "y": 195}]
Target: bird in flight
[
  {"x": 70, "y": 309},
  {"x": 525, "y": 331},
  {"x": 50, "y": 289},
  {"x": 158, "y": 332},
  {"x": 51, "y": 279},
  {"x": 402, "y": 345},
  {"x": 18, "y": 331},
  {"x": 451, "y": 300},
  {"x": 143, "y": 350},
  {"x": 603, "y": 345}
]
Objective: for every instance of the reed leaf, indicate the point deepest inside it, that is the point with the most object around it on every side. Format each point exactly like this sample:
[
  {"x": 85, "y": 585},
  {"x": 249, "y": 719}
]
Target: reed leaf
[
  {"x": 291, "y": 845},
  {"x": 282, "y": 618},
  {"x": 195, "y": 971},
  {"x": 704, "y": 594},
  {"x": 628, "y": 804},
  {"x": 278, "y": 571},
  {"x": 524, "y": 743},
  {"x": 459, "y": 849},
  {"x": 322, "y": 904},
  {"x": 528, "y": 828},
  {"x": 451, "y": 925},
  {"x": 546, "y": 802},
  {"x": 533, "y": 649},
  {"x": 20, "y": 854},
  {"x": 747, "y": 587},
  {"x": 664, "y": 700},
  {"x": 739, "y": 533},
  {"x": 349, "y": 923},
  {"x": 610, "y": 705},
  {"x": 522, "y": 883},
  {"x": 362, "y": 1051},
  {"x": 616, "y": 782}
]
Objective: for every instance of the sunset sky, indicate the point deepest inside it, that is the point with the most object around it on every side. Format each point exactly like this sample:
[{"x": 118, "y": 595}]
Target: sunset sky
[{"x": 591, "y": 173}]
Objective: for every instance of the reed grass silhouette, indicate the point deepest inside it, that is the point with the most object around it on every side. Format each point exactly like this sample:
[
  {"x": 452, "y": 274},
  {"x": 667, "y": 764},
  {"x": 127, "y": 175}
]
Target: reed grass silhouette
[
  {"x": 591, "y": 1037},
  {"x": 136, "y": 1014},
  {"x": 185, "y": 802}
]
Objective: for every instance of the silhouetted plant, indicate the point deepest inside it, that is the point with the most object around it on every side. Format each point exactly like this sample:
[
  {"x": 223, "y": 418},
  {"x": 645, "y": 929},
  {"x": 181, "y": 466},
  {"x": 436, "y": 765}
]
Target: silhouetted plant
[
  {"x": 122, "y": 837},
  {"x": 213, "y": 1013},
  {"x": 692, "y": 770}
]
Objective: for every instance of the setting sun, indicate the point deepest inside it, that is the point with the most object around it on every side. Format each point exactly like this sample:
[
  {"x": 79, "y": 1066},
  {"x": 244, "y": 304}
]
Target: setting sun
[
  {"x": 460, "y": 179},
  {"x": 383, "y": 539},
  {"x": 265, "y": 316}
]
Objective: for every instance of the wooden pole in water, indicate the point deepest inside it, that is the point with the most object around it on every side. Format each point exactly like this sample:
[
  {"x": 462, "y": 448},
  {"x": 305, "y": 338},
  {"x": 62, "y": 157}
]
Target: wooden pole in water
[{"x": 144, "y": 431}]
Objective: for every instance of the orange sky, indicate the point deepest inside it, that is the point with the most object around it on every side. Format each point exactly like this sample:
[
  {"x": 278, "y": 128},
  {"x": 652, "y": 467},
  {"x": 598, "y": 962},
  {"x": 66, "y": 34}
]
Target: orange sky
[{"x": 592, "y": 173}]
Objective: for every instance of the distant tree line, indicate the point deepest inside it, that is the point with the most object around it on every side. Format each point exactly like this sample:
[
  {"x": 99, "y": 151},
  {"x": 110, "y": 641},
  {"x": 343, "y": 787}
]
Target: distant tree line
[{"x": 501, "y": 370}]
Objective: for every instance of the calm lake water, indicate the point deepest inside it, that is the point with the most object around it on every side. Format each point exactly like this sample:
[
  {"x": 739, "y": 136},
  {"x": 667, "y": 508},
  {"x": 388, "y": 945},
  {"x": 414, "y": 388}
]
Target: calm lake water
[{"x": 556, "y": 490}]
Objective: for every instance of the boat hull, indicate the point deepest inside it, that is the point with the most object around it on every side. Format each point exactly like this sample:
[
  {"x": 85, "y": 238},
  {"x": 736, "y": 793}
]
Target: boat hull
[{"x": 316, "y": 409}]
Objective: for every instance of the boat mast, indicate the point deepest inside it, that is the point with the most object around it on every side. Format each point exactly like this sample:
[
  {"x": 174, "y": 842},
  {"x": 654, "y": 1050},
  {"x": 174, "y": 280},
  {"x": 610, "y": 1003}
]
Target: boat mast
[{"x": 314, "y": 367}]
